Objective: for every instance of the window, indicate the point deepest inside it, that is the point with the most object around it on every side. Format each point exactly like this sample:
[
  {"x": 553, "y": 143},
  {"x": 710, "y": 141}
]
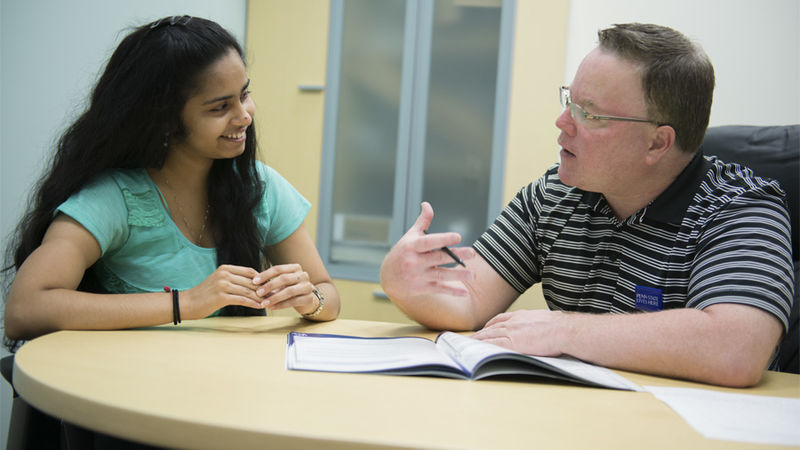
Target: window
[{"x": 416, "y": 105}]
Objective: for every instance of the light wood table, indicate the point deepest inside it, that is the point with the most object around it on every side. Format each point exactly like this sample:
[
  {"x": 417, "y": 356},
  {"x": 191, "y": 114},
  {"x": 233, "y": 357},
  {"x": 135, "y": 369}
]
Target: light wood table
[{"x": 222, "y": 383}]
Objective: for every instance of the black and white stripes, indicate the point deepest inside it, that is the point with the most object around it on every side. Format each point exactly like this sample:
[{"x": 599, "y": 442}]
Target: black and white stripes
[{"x": 718, "y": 235}]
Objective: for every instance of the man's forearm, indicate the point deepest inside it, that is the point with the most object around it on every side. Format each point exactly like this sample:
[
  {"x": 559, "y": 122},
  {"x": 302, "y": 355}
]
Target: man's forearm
[
  {"x": 436, "y": 311},
  {"x": 725, "y": 344}
]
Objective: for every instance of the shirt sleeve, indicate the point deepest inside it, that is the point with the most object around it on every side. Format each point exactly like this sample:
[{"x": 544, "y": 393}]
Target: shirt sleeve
[
  {"x": 283, "y": 209},
  {"x": 509, "y": 245},
  {"x": 745, "y": 256},
  {"x": 100, "y": 208}
]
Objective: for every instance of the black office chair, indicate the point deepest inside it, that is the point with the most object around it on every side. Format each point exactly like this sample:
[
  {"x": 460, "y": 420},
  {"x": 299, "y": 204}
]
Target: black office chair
[{"x": 771, "y": 152}]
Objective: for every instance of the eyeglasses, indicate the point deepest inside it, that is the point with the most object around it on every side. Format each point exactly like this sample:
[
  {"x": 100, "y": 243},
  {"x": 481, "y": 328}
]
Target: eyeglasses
[{"x": 592, "y": 120}]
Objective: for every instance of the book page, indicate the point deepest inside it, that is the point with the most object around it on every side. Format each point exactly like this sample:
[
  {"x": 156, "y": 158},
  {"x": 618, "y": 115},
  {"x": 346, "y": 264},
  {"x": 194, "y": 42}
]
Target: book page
[
  {"x": 590, "y": 372},
  {"x": 332, "y": 353},
  {"x": 467, "y": 351},
  {"x": 472, "y": 353}
]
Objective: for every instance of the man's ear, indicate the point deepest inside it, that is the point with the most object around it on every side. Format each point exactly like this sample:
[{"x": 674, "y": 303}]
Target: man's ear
[{"x": 663, "y": 139}]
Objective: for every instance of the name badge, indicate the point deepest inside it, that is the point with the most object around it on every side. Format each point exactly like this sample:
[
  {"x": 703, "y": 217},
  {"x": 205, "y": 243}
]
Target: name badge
[{"x": 648, "y": 299}]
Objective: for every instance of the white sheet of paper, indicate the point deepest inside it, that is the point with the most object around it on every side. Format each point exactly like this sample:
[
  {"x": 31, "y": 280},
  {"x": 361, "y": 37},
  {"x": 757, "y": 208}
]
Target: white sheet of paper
[{"x": 735, "y": 417}]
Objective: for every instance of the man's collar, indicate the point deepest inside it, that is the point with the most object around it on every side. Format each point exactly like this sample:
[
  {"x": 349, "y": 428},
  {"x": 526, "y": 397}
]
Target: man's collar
[
  {"x": 593, "y": 199},
  {"x": 671, "y": 205}
]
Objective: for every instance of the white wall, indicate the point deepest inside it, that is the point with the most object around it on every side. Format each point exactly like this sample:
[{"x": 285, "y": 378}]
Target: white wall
[
  {"x": 754, "y": 46},
  {"x": 51, "y": 53}
]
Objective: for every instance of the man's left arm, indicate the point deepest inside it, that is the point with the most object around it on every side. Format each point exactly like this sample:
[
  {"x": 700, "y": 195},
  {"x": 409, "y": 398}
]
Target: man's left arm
[
  {"x": 737, "y": 308},
  {"x": 725, "y": 344}
]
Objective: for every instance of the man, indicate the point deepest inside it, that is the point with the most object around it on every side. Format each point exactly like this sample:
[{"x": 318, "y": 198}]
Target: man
[{"x": 652, "y": 257}]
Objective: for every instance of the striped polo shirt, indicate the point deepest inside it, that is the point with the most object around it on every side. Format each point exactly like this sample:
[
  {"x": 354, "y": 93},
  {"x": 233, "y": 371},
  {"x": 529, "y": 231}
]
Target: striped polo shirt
[{"x": 718, "y": 234}]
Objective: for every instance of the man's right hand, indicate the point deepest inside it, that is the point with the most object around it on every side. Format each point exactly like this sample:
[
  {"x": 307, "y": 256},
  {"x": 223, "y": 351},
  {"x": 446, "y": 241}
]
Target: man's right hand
[{"x": 413, "y": 266}]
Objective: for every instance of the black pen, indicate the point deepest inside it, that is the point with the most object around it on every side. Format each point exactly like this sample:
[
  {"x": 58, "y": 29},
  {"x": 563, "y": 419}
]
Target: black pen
[{"x": 452, "y": 255}]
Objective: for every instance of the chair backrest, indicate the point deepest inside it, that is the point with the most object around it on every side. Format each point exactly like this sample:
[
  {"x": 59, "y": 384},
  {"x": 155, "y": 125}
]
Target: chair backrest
[{"x": 771, "y": 152}]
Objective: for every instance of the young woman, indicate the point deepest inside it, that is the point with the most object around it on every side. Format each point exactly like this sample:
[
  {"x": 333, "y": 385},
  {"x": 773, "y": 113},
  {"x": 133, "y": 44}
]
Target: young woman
[{"x": 156, "y": 187}]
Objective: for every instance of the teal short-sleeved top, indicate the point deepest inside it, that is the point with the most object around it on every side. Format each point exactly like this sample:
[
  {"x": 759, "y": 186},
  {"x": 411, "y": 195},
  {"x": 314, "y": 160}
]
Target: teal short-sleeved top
[{"x": 142, "y": 250}]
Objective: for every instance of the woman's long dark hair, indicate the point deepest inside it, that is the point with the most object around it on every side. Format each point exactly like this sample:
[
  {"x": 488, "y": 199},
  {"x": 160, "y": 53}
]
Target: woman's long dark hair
[{"x": 136, "y": 105}]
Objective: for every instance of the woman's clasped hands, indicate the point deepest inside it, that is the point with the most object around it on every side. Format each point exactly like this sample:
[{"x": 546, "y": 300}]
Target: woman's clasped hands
[
  {"x": 286, "y": 286},
  {"x": 279, "y": 287}
]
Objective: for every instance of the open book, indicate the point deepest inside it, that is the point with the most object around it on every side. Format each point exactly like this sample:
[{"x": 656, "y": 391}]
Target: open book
[{"x": 452, "y": 355}]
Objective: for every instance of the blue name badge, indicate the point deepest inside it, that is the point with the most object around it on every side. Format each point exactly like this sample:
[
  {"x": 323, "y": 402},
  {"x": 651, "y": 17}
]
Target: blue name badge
[{"x": 648, "y": 299}]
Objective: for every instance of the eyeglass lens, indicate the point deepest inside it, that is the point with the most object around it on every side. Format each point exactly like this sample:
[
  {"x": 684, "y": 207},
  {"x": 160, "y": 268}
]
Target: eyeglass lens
[{"x": 576, "y": 112}]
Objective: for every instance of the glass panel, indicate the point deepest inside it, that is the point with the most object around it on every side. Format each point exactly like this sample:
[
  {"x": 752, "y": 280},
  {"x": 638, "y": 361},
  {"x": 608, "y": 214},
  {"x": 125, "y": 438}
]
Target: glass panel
[
  {"x": 460, "y": 117},
  {"x": 366, "y": 131}
]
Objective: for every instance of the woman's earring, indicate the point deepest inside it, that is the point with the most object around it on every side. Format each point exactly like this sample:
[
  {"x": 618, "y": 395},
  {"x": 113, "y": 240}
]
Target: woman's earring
[{"x": 166, "y": 140}]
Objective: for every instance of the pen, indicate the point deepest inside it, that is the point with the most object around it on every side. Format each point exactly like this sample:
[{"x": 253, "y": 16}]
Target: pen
[{"x": 452, "y": 255}]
